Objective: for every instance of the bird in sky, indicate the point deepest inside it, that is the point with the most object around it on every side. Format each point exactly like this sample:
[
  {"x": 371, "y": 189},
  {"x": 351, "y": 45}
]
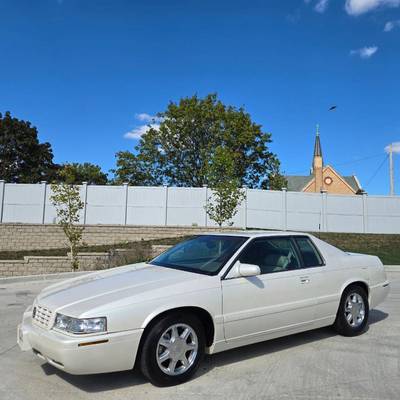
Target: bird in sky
[{"x": 332, "y": 108}]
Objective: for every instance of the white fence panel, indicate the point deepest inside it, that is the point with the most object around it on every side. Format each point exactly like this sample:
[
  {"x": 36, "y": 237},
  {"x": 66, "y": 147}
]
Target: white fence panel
[
  {"x": 238, "y": 220},
  {"x": 304, "y": 212},
  {"x": 105, "y": 205},
  {"x": 344, "y": 213},
  {"x": 264, "y": 209},
  {"x": 383, "y": 214},
  {"x": 23, "y": 203},
  {"x": 50, "y": 215},
  {"x": 186, "y": 206},
  {"x": 146, "y": 205}
]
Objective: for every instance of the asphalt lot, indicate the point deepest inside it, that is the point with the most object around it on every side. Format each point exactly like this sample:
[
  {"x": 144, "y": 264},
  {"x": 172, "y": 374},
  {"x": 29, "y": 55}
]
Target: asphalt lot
[{"x": 314, "y": 365}]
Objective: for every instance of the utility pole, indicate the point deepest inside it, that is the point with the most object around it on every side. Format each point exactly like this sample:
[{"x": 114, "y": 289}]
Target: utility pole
[{"x": 391, "y": 169}]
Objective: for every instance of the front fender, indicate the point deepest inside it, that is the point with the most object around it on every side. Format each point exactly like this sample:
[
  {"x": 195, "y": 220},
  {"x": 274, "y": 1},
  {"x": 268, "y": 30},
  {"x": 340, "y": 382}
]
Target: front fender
[{"x": 363, "y": 279}]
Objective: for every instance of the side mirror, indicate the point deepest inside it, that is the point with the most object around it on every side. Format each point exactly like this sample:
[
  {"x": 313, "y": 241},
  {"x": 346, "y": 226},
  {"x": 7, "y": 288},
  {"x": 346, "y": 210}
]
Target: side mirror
[
  {"x": 239, "y": 270},
  {"x": 247, "y": 270}
]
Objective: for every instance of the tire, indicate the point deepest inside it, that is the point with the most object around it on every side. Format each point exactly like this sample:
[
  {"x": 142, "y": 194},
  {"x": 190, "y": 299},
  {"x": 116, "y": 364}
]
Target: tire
[
  {"x": 165, "y": 349},
  {"x": 353, "y": 312}
]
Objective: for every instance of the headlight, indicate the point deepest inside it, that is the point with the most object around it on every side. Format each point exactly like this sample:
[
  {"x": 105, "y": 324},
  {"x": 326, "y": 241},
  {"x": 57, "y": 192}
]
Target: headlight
[{"x": 77, "y": 325}]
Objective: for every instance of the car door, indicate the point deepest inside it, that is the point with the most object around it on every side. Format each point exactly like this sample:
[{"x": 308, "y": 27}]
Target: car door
[
  {"x": 277, "y": 299},
  {"x": 325, "y": 280}
]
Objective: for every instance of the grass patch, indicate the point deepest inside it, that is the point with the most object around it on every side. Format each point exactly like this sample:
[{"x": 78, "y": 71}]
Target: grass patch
[{"x": 386, "y": 247}]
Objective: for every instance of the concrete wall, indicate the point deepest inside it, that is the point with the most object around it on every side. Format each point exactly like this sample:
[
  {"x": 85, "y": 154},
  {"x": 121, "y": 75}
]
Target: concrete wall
[{"x": 14, "y": 237}]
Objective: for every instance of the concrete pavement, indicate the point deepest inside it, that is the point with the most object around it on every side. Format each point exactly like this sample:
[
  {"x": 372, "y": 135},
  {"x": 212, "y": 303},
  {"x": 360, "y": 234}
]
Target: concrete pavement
[{"x": 314, "y": 365}]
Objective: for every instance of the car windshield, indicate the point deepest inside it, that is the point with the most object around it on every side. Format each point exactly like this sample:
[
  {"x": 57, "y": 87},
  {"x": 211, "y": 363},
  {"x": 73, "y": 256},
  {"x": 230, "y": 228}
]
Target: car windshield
[{"x": 205, "y": 254}]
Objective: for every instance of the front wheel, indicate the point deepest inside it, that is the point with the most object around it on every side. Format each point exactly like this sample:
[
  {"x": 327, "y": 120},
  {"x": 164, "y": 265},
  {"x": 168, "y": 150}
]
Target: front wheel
[
  {"x": 353, "y": 312},
  {"x": 173, "y": 349}
]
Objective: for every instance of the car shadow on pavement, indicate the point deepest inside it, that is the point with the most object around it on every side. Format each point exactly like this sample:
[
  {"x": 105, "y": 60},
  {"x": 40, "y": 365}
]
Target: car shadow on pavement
[{"x": 119, "y": 380}]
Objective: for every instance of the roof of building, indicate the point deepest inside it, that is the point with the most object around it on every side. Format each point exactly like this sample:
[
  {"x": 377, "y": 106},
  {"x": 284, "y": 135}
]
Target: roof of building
[
  {"x": 295, "y": 183},
  {"x": 353, "y": 182}
]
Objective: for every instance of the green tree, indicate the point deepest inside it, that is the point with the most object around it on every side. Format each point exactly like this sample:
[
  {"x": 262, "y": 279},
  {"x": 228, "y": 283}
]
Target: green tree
[
  {"x": 134, "y": 170},
  {"x": 227, "y": 195},
  {"x": 180, "y": 150},
  {"x": 22, "y": 158},
  {"x": 68, "y": 204},
  {"x": 86, "y": 172}
]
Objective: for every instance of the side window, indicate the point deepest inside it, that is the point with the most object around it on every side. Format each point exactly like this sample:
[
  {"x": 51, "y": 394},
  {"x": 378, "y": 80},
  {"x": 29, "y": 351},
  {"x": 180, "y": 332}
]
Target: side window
[
  {"x": 271, "y": 255},
  {"x": 311, "y": 257}
]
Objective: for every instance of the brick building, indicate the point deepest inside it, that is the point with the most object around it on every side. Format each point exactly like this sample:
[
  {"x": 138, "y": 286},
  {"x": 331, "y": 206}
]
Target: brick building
[{"x": 323, "y": 178}]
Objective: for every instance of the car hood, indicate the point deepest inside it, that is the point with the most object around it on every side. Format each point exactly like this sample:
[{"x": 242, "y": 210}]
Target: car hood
[{"x": 131, "y": 283}]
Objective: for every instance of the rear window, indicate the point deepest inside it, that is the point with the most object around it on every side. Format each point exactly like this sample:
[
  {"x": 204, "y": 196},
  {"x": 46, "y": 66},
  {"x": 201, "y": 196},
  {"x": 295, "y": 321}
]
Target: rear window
[{"x": 310, "y": 255}]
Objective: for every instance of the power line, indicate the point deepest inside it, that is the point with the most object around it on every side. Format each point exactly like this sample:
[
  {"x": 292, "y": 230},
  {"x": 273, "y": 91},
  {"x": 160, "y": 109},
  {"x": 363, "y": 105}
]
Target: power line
[
  {"x": 377, "y": 170},
  {"x": 360, "y": 159},
  {"x": 339, "y": 164}
]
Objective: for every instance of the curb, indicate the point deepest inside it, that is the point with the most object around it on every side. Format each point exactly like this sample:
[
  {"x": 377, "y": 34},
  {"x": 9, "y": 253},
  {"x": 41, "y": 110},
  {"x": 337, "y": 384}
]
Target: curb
[
  {"x": 44, "y": 277},
  {"x": 392, "y": 268}
]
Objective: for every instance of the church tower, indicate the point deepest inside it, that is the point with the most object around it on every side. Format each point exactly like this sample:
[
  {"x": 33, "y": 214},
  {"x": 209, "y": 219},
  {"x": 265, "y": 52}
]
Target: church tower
[
  {"x": 323, "y": 177},
  {"x": 318, "y": 164}
]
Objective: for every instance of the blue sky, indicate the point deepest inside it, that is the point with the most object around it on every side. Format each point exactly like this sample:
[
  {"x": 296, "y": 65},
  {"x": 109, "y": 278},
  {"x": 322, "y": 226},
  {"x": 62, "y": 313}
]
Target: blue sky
[{"x": 83, "y": 71}]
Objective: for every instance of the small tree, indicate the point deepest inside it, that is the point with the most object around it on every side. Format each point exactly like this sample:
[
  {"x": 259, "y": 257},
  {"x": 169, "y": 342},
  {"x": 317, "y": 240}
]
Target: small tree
[
  {"x": 67, "y": 201},
  {"x": 227, "y": 194}
]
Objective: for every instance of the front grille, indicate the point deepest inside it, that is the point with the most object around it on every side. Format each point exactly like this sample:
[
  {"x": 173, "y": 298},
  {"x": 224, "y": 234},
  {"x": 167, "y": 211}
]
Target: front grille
[{"x": 42, "y": 316}]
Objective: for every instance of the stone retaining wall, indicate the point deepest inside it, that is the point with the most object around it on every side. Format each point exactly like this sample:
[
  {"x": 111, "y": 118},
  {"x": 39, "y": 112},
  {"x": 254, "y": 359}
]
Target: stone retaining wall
[
  {"x": 157, "y": 249},
  {"x": 14, "y": 237},
  {"x": 37, "y": 265}
]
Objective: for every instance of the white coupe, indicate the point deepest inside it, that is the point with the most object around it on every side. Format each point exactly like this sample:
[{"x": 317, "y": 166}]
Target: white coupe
[{"x": 207, "y": 294}]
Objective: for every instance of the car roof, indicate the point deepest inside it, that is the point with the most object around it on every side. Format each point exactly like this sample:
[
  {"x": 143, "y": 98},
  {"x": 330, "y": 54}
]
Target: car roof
[{"x": 251, "y": 234}]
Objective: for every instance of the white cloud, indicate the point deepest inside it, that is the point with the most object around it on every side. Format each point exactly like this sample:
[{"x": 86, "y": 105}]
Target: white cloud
[
  {"x": 390, "y": 25},
  {"x": 150, "y": 121},
  {"x": 358, "y": 7},
  {"x": 365, "y": 52},
  {"x": 395, "y": 147},
  {"x": 321, "y": 6},
  {"x": 139, "y": 131}
]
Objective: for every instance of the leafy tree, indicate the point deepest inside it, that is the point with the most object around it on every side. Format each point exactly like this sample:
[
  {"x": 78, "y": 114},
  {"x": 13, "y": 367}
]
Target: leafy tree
[
  {"x": 227, "y": 195},
  {"x": 135, "y": 171},
  {"x": 22, "y": 158},
  {"x": 180, "y": 150},
  {"x": 86, "y": 172},
  {"x": 67, "y": 201}
]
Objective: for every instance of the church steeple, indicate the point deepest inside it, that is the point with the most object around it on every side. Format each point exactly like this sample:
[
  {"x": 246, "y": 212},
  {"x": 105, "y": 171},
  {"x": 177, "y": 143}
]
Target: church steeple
[
  {"x": 317, "y": 145},
  {"x": 318, "y": 164}
]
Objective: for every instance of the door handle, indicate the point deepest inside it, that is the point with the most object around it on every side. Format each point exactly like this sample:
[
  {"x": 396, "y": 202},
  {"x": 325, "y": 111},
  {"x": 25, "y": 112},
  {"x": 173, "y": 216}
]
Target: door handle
[{"x": 304, "y": 279}]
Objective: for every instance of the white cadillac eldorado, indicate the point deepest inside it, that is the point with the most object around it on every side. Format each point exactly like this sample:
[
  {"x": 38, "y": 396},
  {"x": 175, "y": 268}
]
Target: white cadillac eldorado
[{"x": 207, "y": 294}]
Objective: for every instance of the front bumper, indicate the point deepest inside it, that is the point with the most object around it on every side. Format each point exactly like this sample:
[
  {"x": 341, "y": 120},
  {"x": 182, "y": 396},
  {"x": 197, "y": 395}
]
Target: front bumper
[{"x": 72, "y": 354}]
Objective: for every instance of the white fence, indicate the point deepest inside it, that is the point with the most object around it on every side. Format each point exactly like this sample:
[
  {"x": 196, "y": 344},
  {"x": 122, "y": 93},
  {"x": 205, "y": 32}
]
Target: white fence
[{"x": 174, "y": 206}]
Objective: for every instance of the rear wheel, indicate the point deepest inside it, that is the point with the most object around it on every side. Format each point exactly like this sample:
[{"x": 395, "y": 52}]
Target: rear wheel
[
  {"x": 173, "y": 349},
  {"x": 353, "y": 312}
]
